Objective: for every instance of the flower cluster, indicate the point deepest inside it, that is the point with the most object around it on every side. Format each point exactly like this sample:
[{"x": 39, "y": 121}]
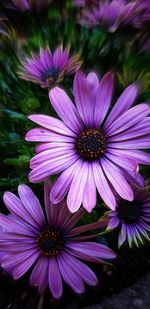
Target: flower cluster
[
  {"x": 113, "y": 14},
  {"x": 94, "y": 147}
]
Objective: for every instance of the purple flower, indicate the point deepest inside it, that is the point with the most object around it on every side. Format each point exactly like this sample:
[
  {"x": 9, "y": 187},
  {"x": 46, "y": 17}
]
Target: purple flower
[
  {"x": 113, "y": 14},
  {"x": 52, "y": 245},
  {"x": 27, "y": 5},
  {"x": 90, "y": 147},
  {"x": 133, "y": 218},
  {"x": 47, "y": 69}
]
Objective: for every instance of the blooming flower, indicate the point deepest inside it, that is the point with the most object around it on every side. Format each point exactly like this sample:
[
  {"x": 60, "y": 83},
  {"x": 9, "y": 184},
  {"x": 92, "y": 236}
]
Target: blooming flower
[
  {"x": 133, "y": 218},
  {"x": 27, "y": 5},
  {"x": 52, "y": 245},
  {"x": 113, "y": 14},
  {"x": 88, "y": 147},
  {"x": 47, "y": 69}
]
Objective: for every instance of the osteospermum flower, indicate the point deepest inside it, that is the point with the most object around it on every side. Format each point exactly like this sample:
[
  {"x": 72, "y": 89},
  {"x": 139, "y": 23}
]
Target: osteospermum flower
[
  {"x": 49, "y": 69},
  {"x": 27, "y": 5},
  {"x": 51, "y": 245},
  {"x": 112, "y": 14},
  {"x": 132, "y": 218},
  {"x": 90, "y": 146}
]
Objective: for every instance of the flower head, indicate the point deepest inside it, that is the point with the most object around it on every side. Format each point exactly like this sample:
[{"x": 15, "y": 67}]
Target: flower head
[
  {"x": 27, "y": 5},
  {"x": 90, "y": 146},
  {"x": 47, "y": 69},
  {"x": 132, "y": 218},
  {"x": 52, "y": 245},
  {"x": 113, "y": 14}
]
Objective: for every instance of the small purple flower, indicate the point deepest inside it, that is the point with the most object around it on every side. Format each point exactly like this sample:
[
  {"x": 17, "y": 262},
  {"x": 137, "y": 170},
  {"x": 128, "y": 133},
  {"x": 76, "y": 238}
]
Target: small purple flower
[
  {"x": 28, "y": 5},
  {"x": 133, "y": 218},
  {"x": 52, "y": 246},
  {"x": 113, "y": 14},
  {"x": 91, "y": 148},
  {"x": 47, "y": 69}
]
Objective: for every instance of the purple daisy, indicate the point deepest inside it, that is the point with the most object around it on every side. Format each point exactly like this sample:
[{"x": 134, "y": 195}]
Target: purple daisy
[
  {"x": 88, "y": 147},
  {"x": 28, "y": 5},
  {"x": 49, "y": 69},
  {"x": 53, "y": 245},
  {"x": 113, "y": 14},
  {"x": 133, "y": 218}
]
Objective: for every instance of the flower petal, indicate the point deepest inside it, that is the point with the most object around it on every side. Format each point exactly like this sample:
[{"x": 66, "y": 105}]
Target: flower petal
[
  {"x": 31, "y": 203},
  {"x": 59, "y": 100},
  {"x": 103, "y": 186},
  {"x": 55, "y": 281},
  {"x": 103, "y": 99},
  {"x": 124, "y": 102}
]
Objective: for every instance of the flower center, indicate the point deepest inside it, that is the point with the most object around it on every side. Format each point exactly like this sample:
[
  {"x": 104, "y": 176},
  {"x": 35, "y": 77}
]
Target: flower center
[
  {"x": 50, "y": 75},
  {"x": 50, "y": 242},
  {"x": 130, "y": 212},
  {"x": 90, "y": 144}
]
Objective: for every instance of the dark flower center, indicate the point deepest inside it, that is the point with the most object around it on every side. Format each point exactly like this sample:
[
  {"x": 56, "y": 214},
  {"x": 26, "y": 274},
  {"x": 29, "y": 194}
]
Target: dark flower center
[
  {"x": 50, "y": 242},
  {"x": 90, "y": 144},
  {"x": 51, "y": 75},
  {"x": 130, "y": 212}
]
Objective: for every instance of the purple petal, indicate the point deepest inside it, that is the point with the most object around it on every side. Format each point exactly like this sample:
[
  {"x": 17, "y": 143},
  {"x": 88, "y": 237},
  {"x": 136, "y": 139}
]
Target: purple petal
[
  {"x": 83, "y": 98},
  {"x": 62, "y": 184},
  {"x": 51, "y": 167},
  {"x": 59, "y": 100},
  {"x": 93, "y": 82},
  {"x": 81, "y": 269},
  {"x": 135, "y": 143},
  {"x": 89, "y": 196},
  {"x": 50, "y": 154},
  {"x": 47, "y": 190},
  {"x": 129, "y": 118},
  {"x": 117, "y": 179},
  {"x": 55, "y": 281},
  {"x": 138, "y": 130},
  {"x": 69, "y": 276},
  {"x": 103, "y": 99},
  {"x": 137, "y": 155},
  {"x": 124, "y": 102},
  {"x": 23, "y": 267},
  {"x": 53, "y": 145},
  {"x": 52, "y": 124},
  {"x": 44, "y": 135},
  {"x": 16, "y": 207},
  {"x": 75, "y": 194},
  {"x": 103, "y": 186},
  {"x": 12, "y": 260},
  {"x": 113, "y": 223},
  {"x": 122, "y": 235},
  {"x": 17, "y": 226},
  {"x": 122, "y": 161},
  {"x": 39, "y": 275},
  {"x": 92, "y": 249},
  {"x": 31, "y": 204}
]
